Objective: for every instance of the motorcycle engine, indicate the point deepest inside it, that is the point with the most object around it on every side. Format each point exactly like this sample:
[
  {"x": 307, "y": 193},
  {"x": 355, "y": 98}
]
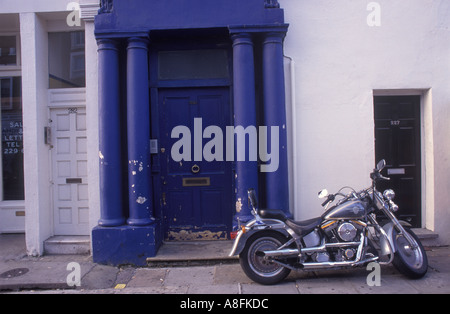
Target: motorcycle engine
[
  {"x": 336, "y": 231},
  {"x": 347, "y": 231}
]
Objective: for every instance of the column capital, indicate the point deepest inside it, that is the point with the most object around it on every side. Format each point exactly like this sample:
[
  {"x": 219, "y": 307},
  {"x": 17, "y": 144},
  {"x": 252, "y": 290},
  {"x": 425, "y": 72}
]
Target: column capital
[
  {"x": 242, "y": 39},
  {"x": 274, "y": 37},
  {"x": 107, "y": 44},
  {"x": 136, "y": 42}
]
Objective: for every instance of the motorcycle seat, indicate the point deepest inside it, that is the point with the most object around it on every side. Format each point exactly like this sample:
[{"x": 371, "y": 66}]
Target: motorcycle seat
[
  {"x": 273, "y": 214},
  {"x": 304, "y": 227},
  {"x": 300, "y": 227}
]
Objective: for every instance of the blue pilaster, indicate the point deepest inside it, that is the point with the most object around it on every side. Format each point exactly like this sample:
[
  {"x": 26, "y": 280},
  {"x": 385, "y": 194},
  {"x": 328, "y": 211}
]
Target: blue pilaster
[
  {"x": 138, "y": 132},
  {"x": 111, "y": 200},
  {"x": 277, "y": 185},
  {"x": 244, "y": 115}
]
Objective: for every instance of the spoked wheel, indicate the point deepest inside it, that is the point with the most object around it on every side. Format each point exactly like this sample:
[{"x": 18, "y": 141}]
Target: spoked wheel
[
  {"x": 258, "y": 268},
  {"x": 412, "y": 262}
]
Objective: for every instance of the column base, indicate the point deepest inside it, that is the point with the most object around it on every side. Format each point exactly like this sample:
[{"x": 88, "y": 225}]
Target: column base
[
  {"x": 125, "y": 244},
  {"x": 140, "y": 221},
  {"x": 111, "y": 222}
]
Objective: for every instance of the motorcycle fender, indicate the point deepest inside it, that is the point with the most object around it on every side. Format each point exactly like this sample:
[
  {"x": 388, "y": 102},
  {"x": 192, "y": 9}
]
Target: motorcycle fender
[
  {"x": 242, "y": 237},
  {"x": 388, "y": 229}
]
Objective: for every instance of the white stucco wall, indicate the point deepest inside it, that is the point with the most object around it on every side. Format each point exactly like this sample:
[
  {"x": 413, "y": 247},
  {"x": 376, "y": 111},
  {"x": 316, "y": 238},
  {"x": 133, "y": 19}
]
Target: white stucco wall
[
  {"x": 38, "y": 217},
  {"x": 340, "y": 62}
]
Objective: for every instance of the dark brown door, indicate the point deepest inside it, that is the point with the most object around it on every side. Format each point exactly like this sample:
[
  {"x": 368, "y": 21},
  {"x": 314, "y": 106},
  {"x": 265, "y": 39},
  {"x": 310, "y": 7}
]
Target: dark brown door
[{"x": 397, "y": 140}]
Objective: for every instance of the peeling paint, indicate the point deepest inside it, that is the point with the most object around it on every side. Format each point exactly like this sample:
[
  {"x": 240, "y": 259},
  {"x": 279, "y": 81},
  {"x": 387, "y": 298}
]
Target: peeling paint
[
  {"x": 186, "y": 235},
  {"x": 100, "y": 155},
  {"x": 239, "y": 205},
  {"x": 141, "y": 200},
  {"x": 141, "y": 166},
  {"x": 133, "y": 173}
]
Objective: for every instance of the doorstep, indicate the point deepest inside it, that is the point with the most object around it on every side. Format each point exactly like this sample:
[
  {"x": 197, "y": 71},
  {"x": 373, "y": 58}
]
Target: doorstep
[
  {"x": 193, "y": 253},
  {"x": 427, "y": 237},
  {"x": 67, "y": 245}
]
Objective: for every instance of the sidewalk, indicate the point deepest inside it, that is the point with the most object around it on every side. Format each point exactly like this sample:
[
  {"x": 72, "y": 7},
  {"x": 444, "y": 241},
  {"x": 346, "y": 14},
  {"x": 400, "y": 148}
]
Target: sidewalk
[{"x": 20, "y": 273}]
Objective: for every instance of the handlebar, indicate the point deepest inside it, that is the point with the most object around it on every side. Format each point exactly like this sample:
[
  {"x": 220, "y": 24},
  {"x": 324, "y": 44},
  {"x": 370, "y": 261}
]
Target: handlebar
[
  {"x": 376, "y": 175},
  {"x": 329, "y": 199}
]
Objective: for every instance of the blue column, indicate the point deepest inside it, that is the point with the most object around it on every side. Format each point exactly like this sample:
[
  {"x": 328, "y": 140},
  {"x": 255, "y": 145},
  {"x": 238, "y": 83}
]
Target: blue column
[
  {"x": 109, "y": 135},
  {"x": 138, "y": 128},
  {"x": 277, "y": 184},
  {"x": 244, "y": 115}
]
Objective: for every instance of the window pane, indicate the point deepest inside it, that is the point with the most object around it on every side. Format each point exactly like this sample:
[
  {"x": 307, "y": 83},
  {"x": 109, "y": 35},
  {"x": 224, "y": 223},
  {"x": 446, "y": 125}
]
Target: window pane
[
  {"x": 66, "y": 60},
  {"x": 8, "y": 50},
  {"x": 12, "y": 142},
  {"x": 193, "y": 64}
]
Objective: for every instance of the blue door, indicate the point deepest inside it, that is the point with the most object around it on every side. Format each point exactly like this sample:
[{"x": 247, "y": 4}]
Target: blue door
[{"x": 196, "y": 191}]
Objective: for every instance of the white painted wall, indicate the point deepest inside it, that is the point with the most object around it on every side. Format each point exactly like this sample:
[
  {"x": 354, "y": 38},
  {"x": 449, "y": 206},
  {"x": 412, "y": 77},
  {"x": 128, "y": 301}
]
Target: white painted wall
[
  {"x": 38, "y": 219},
  {"x": 31, "y": 6},
  {"x": 339, "y": 62},
  {"x": 92, "y": 123}
]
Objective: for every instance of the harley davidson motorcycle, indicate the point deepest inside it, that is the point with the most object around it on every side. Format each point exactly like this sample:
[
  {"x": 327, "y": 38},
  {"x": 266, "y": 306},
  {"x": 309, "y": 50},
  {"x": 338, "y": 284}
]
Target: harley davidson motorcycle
[{"x": 346, "y": 235}]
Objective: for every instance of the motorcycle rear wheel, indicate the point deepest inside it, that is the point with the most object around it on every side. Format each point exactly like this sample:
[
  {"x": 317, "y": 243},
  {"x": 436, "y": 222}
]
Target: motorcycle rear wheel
[
  {"x": 412, "y": 263},
  {"x": 258, "y": 268}
]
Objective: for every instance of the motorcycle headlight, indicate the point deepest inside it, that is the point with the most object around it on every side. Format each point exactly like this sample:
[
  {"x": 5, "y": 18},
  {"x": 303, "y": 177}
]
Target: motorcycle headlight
[{"x": 389, "y": 194}]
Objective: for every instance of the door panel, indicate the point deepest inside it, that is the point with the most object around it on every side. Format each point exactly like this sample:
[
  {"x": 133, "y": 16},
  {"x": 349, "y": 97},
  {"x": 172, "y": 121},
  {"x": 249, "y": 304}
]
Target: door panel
[
  {"x": 397, "y": 139},
  {"x": 69, "y": 159},
  {"x": 196, "y": 194}
]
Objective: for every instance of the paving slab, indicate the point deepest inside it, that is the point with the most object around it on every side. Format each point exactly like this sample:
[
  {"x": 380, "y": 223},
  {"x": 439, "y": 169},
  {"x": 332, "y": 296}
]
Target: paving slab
[
  {"x": 38, "y": 275},
  {"x": 325, "y": 285},
  {"x": 148, "y": 277},
  {"x": 190, "y": 276}
]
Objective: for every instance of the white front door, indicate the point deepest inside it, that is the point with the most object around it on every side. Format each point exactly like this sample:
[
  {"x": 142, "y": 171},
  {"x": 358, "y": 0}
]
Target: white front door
[{"x": 69, "y": 167}]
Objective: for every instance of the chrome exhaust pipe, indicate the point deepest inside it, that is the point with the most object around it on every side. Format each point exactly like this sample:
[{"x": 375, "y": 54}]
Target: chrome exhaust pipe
[
  {"x": 279, "y": 253},
  {"x": 309, "y": 266},
  {"x": 296, "y": 253}
]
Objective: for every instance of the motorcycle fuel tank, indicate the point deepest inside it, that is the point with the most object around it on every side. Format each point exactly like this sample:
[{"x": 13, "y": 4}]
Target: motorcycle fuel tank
[{"x": 348, "y": 210}]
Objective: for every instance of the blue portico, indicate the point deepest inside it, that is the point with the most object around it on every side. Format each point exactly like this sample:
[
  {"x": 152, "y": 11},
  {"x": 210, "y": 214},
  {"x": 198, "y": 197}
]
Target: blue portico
[{"x": 173, "y": 72}]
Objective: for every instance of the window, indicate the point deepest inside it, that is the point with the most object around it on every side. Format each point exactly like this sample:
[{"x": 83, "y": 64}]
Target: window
[
  {"x": 8, "y": 50},
  {"x": 12, "y": 140},
  {"x": 66, "y": 60},
  {"x": 193, "y": 64}
]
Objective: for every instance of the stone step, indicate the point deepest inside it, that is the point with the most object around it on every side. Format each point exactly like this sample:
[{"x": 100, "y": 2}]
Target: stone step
[
  {"x": 193, "y": 253},
  {"x": 67, "y": 245},
  {"x": 427, "y": 237}
]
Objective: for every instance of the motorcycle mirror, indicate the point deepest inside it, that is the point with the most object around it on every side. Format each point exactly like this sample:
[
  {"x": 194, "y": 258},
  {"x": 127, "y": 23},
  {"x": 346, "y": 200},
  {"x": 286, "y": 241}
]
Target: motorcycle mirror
[
  {"x": 252, "y": 197},
  {"x": 381, "y": 164},
  {"x": 323, "y": 193}
]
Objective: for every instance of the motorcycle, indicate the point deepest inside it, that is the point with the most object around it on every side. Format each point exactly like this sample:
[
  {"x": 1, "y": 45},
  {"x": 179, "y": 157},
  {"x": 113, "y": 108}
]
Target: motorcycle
[{"x": 348, "y": 234}]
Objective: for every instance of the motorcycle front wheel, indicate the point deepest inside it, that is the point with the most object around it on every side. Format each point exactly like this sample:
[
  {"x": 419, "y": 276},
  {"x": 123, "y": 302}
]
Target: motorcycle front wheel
[
  {"x": 258, "y": 268},
  {"x": 411, "y": 262}
]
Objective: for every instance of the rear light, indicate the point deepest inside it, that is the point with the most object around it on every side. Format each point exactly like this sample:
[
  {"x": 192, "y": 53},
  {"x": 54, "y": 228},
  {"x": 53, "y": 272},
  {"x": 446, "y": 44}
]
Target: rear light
[{"x": 233, "y": 234}]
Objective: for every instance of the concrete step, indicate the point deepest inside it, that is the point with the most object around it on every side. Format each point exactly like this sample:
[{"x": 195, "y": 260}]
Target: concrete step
[
  {"x": 427, "y": 237},
  {"x": 193, "y": 253},
  {"x": 67, "y": 245}
]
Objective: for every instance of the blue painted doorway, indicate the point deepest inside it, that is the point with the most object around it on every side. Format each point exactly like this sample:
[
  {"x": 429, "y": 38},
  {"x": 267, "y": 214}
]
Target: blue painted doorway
[{"x": 196, "y": 180}]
